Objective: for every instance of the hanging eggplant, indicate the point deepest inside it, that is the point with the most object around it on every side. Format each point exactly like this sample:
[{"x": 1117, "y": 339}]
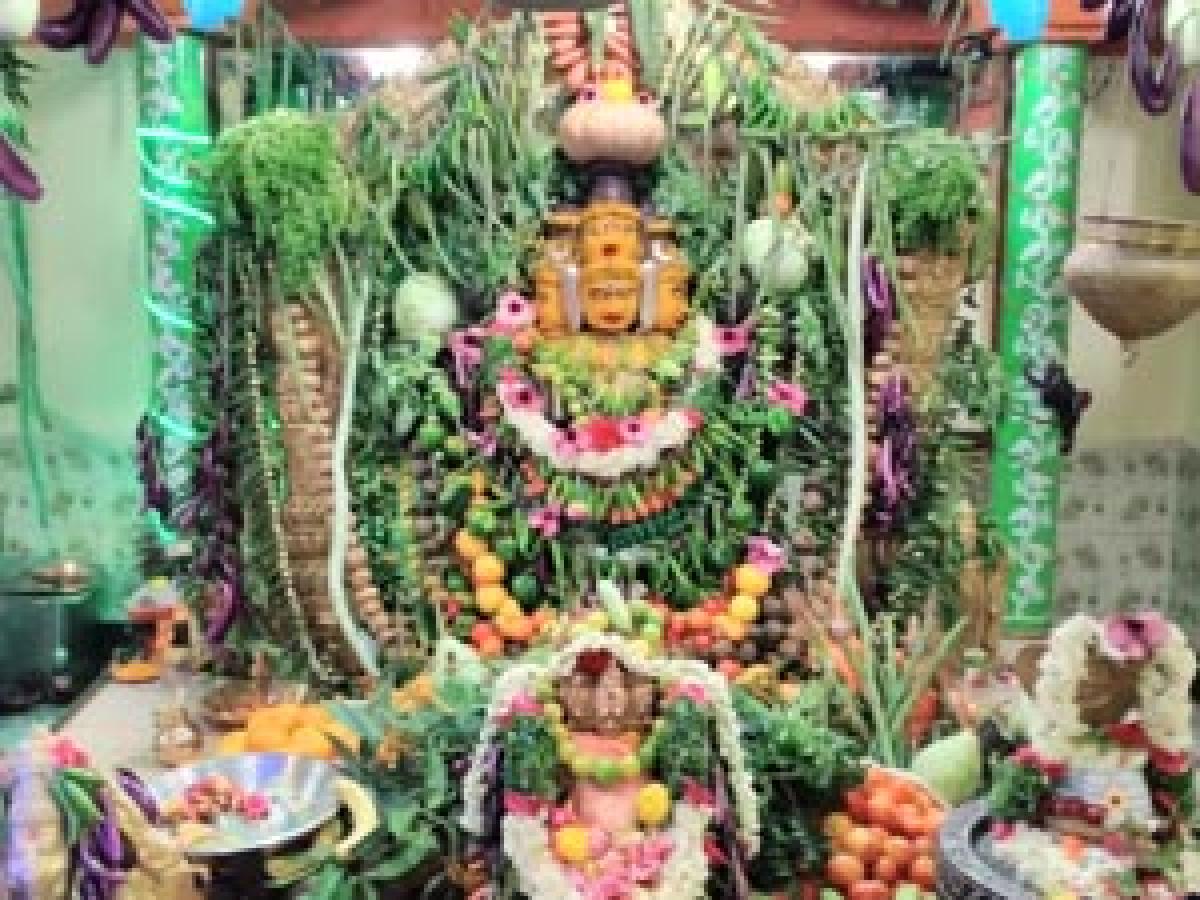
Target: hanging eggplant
[
  {"x": 96, "y": 24},
  {"x": 1120, "y": 17},
  {"x": 15, "y": 174},
  {"x": 1154, "y": 84},
  {"x": 1189, "y": 139}
]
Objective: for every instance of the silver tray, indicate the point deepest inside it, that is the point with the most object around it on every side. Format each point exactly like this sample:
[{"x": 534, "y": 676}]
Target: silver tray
[{"x": 301, "y": 793}]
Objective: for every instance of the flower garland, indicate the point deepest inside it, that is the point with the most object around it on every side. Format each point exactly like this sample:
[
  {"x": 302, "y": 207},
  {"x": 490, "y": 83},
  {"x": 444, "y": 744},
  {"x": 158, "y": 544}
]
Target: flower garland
[
  {"x": 1162, "y": 729},
  {"x": 522, "y": 678},
  {"x": 682, "y": 877}
]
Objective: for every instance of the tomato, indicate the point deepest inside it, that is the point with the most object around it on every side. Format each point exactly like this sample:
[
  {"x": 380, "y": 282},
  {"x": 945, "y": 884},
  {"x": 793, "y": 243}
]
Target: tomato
[
  {"x": 491, "y": 647},
  {"x": 844, "y": 870},
  {"x": 857, "y": 841},
  {"x": 881, "y": 805},
  {"x": 924, "y": 872},
  {"x": 922, "y": 846},
  {"x": 702, "y": 642},
  {"x": 898, "y": 849},
  {"x": 869, "y": 890},
  {"x": 698, "y": 619},
  {"x": 835, "y": 825},
  {"x": 879, "y": 838},
  {"x": 481, "y": 631},
  {"x": 714, "y": 606},
  {"x": 910, "y": 820},
  {"x": 886, "y": 869},
  {"x": 856, "y": 804},
  {"x": 933, "y": 821},
  {"x": 730, "y": 668}
]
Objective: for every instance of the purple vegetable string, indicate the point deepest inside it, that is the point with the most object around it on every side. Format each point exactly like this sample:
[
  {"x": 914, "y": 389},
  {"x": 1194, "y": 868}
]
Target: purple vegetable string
[
  {"x": 156, "y": 497},
  {"x": 880, "y": 305},
  {"x": 894, "y": 481}
]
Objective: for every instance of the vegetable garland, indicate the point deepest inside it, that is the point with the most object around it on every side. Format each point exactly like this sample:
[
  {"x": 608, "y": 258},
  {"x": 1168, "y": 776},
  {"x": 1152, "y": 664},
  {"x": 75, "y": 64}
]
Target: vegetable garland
[{"x": 96, "y": 24}]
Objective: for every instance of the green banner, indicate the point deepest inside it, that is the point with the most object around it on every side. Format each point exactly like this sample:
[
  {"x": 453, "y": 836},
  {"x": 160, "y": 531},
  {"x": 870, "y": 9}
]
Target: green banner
[
  {"x": 1040, "y": 231},
  {"x": 173, "y": 134}
]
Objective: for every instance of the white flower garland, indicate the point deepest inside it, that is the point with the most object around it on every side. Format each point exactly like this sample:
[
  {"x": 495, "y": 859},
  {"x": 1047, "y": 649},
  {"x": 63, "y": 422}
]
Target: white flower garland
[
  {"x": 1056, "y": 729},
  {"x": 1040, "y": 861},
  {"x": 541, "y": 875},
  {"x": 523, "y": 678},
  {"x": 538, "y": 434}
]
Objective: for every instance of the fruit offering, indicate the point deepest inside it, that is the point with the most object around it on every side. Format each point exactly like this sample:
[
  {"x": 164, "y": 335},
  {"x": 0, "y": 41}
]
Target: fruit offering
[
  {"x": 883, "y": 840},
  {"x": 213, "y": 796},
  {"x": 299, "y": 729}
]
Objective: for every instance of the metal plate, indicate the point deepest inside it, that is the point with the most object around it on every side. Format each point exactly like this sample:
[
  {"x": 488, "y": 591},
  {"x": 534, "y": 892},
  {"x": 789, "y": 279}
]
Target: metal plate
[{"x": 301, "y": 793}]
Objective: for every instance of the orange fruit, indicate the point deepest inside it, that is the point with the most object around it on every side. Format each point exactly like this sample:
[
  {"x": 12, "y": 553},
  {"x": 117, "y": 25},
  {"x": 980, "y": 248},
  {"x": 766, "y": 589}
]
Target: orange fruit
[
  {"x": 510, "y": 609},
  {"x": 468, "y": 546},
  {"x": 489, "y": 598},
  {"x": 491, "y": 647},
  {"x": 232, "y": 744},
  {"x": 309, "y": 741},
  {"x": 487, "y": 569},
  {"x": 514, "y": 628},
  {"x": 751, "y": 580}
]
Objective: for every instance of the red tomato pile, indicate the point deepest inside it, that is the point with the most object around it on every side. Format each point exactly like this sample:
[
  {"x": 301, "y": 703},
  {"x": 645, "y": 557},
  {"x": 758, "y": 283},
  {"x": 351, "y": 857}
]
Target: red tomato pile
[{"x": 883, "y": 841}]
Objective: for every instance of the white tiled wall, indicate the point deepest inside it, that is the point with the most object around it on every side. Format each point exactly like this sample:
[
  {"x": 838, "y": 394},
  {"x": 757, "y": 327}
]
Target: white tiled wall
[{"x": 1129, "y": 531}]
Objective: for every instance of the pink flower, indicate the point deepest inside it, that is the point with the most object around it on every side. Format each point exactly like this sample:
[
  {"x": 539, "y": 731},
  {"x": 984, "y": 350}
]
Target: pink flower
[
  {"x": 255, "y": 806},
  {"x": 645, "y": 860},
  {"x": 517, "y": 394},
  {"x": 688, "y": 690},
  {"x": 695, "y": 418},
  {"x": 578, "y": 512},
  {"x": 466, "y": 346},
  {"x": 1002, "y": 831},
  {"x": 484, "y": 441},
  {"x": 518, "y": 804},
  {"x": 1116, "y": 844},
  {"x": 733, "y": 339},
  {"x": 791, "y": 397},
  {"x": 561, "y": 816},
  {"x": 64, "y": 753},
  {"x": 599, "y": 842},
  {"x": 513, "y": 313},
  {"x": 566, "y": 443},
  {"x": 634, "y": 432},
  {"x": 612, "y": 885},
  {"x": 547, "y": 519},
  {"x": 1136, "y": 637},
  {"x": 764, "y": 554},
  {"x": 522, "y": 704}
]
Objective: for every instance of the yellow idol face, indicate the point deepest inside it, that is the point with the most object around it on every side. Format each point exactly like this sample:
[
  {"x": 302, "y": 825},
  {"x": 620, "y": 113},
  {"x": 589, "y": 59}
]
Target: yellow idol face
[{"x": 610, "y": 299}]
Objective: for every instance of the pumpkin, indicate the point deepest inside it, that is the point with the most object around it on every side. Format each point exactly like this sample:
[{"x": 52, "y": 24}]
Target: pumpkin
[
  {"x": 18, "y": 19},
  {"x": 424, "y": 305},
  {"x": 597, "y": 129},
  {"x": 778, "y": 252}
]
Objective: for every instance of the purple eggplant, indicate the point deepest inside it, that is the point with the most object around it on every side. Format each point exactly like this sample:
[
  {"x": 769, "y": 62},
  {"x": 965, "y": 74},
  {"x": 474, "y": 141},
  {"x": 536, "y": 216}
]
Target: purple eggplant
[
  {"x": 150, "y": 20},
  {"x": 102, "y": 34},
  {"x": 135, "y": 789},
  {"x": 1120, "y": 17},
  {"x": 69, "y": 31},
  {"x": 15, "y": 174},
  {"x": 1189, "y": 140},
  {"x": 1155, "y": 89}
]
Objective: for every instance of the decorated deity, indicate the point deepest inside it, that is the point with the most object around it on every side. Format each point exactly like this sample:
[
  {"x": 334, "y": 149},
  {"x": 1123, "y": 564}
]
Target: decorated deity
[{"x": 1103, "y": 792}]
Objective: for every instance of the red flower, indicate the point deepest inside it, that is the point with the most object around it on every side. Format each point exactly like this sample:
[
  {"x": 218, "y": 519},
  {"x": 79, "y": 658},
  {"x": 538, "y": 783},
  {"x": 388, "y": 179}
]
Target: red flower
[
  {"x": 523, "y": 804},
  {"x": 1025, "y": 756},
  {"x": 1052, "y": 769},
  {"x": 601, "y": 434},
  {"x": 1128, "y": 734},
  {"x": 712, "y": 850},
  {"x": 1002, "y": 831},
  {"x": 695, "y": 418},
  {"x": 697, "y": 794},
  {"x": 593, "y": 663},
  {"x": 1171, "y": 762}
]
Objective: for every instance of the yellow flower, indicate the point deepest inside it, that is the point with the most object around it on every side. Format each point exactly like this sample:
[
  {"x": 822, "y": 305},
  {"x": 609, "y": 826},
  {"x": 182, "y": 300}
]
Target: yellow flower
[
  {"x": 653, "y": 805},
  {"x": 571, "y": 844}
]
